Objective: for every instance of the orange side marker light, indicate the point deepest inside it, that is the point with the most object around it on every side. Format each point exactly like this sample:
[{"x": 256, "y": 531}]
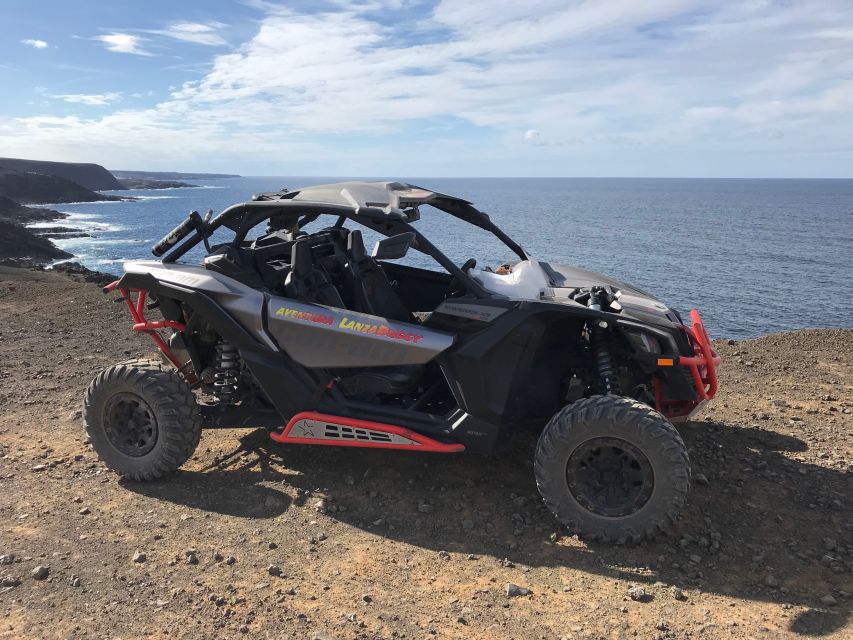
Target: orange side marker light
[{"x": 665, "y": 362}]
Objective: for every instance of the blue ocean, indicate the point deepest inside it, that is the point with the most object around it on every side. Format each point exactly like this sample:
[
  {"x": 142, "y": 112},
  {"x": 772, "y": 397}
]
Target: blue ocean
[{"x": 754, "y": 256}]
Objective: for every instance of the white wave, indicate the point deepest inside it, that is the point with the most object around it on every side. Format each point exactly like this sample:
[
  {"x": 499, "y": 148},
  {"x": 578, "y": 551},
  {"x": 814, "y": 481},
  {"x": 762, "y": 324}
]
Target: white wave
[
  {"x": 51, "y": 205},
  {"x": 156, "y": 197}
]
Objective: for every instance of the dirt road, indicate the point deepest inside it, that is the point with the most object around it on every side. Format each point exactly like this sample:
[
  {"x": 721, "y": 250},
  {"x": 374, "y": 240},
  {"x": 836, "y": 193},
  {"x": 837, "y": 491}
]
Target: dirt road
[{"x": 258, "y": 540}]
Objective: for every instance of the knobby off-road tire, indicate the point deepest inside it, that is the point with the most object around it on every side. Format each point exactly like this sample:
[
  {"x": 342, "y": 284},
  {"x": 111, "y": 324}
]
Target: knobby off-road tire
[
  {"x": 142, "y": 419},
  {"x": 612, "y": 439}
]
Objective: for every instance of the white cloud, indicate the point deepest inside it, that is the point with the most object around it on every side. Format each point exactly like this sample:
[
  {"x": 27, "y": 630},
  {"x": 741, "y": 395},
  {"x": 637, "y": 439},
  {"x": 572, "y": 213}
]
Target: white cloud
[
  {"x": 124, "y": 43},
  {"x": 90, "y": 99},
  {"x": 206, "y": 33},
  {"x": 38, "y": 44},
  {"x": 613, "y": 80}
]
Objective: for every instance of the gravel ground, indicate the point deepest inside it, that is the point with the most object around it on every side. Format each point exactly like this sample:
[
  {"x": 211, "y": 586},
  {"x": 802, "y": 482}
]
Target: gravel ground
[{"x": 258, "y": 540}]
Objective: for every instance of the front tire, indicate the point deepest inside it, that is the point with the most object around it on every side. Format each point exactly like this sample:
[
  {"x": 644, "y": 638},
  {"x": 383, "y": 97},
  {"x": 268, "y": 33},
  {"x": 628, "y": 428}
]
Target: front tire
[
  {"x": 142, "y": 419},
  {"x": 612, "y": 469}
]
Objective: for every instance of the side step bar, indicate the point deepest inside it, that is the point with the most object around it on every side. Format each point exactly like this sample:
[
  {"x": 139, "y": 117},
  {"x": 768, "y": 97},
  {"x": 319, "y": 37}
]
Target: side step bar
[{"x": 310, "y": 427}]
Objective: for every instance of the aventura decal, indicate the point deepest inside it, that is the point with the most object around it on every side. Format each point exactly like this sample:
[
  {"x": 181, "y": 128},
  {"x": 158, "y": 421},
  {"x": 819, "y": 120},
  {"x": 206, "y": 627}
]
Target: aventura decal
[
  {"x": 382, "y": 330},
  {"x": 370, "y": 328},
  {"x": 319, "y": 318}
]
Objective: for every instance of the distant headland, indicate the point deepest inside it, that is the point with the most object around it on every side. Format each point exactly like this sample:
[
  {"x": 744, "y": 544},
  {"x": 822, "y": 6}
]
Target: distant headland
[{"x": 26, "y": 182}]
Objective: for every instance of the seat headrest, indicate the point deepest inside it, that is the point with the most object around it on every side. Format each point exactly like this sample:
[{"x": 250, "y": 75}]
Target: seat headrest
[
  {"x": 301, "y": 262},
  {"x": 355, "y": 246}
]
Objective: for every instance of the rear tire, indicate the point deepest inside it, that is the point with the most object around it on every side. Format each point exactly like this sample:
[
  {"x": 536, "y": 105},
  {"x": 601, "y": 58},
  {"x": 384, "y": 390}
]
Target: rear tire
[
  {"x": 612, "y": 469},
  {"x": 142, "y": 419}
]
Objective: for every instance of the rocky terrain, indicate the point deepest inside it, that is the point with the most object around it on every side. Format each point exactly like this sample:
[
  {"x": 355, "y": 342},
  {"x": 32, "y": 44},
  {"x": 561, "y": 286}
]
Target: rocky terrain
[
  {"x": 24, "y": 247},
  {"x": 257, "y": 540}
]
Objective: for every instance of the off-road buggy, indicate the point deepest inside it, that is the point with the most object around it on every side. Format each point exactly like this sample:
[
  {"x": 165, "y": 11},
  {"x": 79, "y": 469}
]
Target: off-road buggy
[{"x": 280, "y": 326}]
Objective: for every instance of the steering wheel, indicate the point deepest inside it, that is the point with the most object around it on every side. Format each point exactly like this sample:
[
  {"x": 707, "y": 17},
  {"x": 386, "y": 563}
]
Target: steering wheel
[{"x": 454, "y": 287}]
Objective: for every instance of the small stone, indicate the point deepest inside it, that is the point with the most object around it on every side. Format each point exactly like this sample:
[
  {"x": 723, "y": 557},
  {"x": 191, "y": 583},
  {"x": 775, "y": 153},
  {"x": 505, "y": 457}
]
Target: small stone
[
  {"x": 139, "y": 556},
  {"x": 75, "y": 581},
  {"x": 322, "y": 536},
  {"x": 218, "y": 557},
  {"x": 637, "y": 593},
  {"x": 39, "y": 467},
  {"x": 514, "y": 591},
  {"x": 85, "y": 511},
  {"x": 192, "y": 558},
  {"x": 320, "y": 506},
  {"x": 444, "y": 554},
  {"x": 677, "y": 593},
  {"x": 7, "y": 582},
  {"x": 695, "y": 558},
  {"x": 77, "y": 499},
  {"x": 274, "y": 570},
  {"x": 702, "y": 479},
  {"x": 366, "y": 598},
  {"x": 230, "y": 560},
  {"x": 771, "y": 581},
  {"x": 40, "y": 572},
  {"x": 272, "y": 545},
  {"x": 828, "y": 600},
  {"x": 75, "y": 415},
  {"x": 7, "y": 558}
]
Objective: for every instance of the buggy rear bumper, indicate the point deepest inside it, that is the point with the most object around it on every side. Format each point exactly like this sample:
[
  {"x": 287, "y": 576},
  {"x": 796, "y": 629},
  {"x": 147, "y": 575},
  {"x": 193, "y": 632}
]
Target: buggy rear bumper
[{"x": 701, "y": 367}]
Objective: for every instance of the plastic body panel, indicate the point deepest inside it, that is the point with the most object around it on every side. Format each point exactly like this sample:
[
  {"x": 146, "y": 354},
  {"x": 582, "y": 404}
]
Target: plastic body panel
[{"x": 317, "y": 336}]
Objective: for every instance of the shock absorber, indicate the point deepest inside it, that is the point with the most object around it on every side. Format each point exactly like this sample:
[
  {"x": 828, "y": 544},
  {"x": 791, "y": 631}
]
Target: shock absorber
[
  {"x": 603, "y": 362},
  {"x": 225, "y": 379}
]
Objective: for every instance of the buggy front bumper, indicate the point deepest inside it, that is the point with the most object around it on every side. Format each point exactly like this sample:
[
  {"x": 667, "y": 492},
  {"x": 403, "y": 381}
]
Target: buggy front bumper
[{"x": 701, "y": 367}]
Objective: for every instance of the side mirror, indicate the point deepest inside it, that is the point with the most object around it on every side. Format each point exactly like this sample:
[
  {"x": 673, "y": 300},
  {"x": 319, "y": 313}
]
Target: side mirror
[{"x": 393, "y": 247}]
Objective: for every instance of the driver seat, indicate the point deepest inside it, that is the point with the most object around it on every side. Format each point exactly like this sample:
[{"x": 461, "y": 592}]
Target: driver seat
[
  {"x": 372, "y": 291},
  {"x": 306, "y": 281}
]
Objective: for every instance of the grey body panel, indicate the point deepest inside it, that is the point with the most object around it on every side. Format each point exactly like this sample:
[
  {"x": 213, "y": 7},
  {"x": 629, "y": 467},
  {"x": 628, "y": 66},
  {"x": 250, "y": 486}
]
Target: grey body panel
[
  {"x": 242, "y": 302},
  {"x": 470, "y": 310},
  {"x": 570, "y": 277},
  {"x": 635, "y": 303},
  {"x": 317, "y": 336}
]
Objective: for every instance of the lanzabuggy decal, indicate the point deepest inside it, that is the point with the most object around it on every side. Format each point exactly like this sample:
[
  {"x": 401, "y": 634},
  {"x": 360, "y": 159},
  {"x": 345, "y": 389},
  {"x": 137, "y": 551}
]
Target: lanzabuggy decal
[{"x": 379, "y": 329}]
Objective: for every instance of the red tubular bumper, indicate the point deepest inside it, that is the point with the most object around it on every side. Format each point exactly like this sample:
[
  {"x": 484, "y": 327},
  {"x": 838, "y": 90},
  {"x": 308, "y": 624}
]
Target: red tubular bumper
[
  {"x": 702, "y": 367},
  {"x": 137, "y": 312}
]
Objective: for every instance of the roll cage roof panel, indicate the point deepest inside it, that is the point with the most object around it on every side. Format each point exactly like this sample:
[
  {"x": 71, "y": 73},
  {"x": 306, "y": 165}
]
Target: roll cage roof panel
[{"x": 385, "y": 207}]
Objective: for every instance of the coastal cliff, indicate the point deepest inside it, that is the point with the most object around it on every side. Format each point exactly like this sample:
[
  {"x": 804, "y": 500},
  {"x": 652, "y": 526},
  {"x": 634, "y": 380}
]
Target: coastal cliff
[
  {"x": 31, "y": 188},
  {"x": 89, "y": 175}
]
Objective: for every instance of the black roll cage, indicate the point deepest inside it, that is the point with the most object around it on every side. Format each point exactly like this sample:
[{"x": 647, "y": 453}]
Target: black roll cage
[{"x": 243, "y": 217}]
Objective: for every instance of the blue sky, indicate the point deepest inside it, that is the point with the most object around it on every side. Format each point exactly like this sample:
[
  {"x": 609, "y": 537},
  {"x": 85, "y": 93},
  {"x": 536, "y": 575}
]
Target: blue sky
[{"x": 394, "y": 87}]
